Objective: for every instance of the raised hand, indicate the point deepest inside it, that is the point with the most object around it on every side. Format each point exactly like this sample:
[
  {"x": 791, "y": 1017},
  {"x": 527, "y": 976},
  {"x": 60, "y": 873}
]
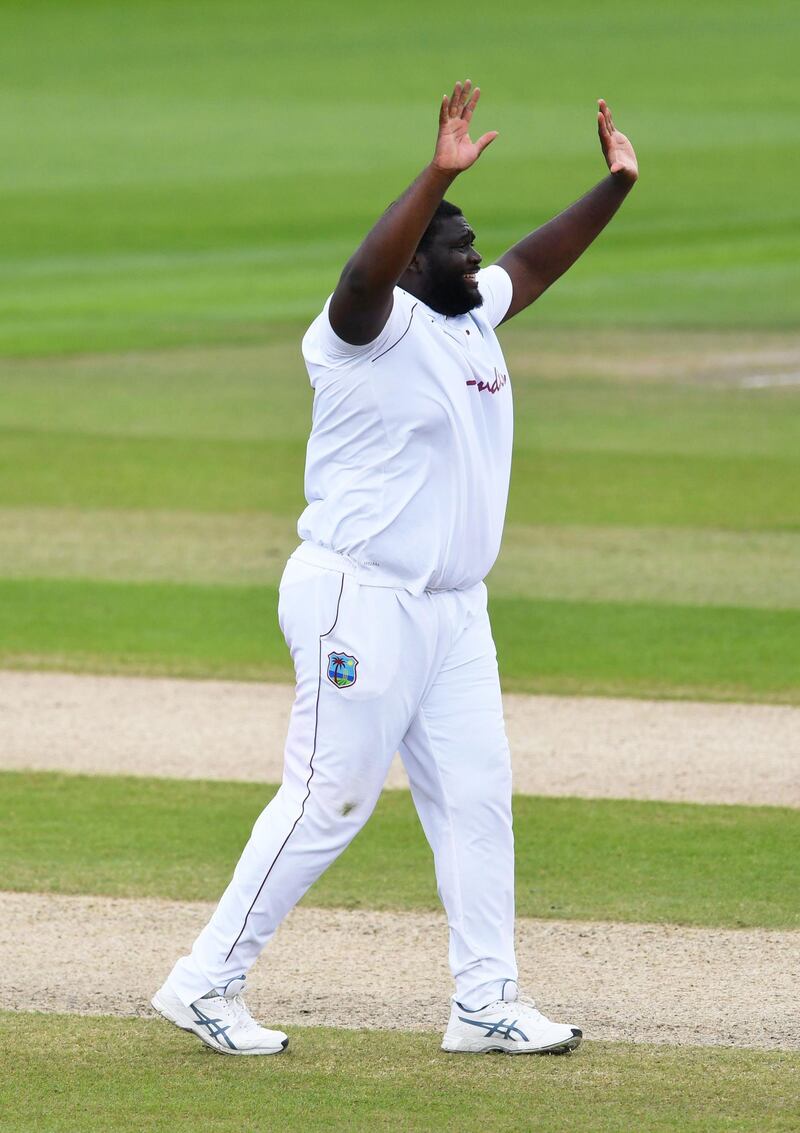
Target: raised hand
[
  {"x": 617, "y": 150},
  {"x": 455, "y": 151}
]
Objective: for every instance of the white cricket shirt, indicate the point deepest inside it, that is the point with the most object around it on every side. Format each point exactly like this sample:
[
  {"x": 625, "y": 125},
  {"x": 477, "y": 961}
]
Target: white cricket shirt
[{"x": 409, "y": 458}]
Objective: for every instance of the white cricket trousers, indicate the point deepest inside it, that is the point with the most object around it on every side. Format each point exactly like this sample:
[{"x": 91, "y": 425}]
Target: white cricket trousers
[{"x": 426, "y": 683}]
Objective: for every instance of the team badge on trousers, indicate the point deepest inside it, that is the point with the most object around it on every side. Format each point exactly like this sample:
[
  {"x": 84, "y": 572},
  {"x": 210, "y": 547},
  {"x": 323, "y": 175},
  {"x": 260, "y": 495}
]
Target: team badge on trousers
[{"x": 342, "y": 669}]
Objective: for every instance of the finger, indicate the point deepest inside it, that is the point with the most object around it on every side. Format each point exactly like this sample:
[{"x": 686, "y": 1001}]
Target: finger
[
  {"x": 455, "y": 99},
  {"x": 468, "y": 110},
  {"x": 444, "y": 110},
  {"x": 485, "y": 140},
  {"x": 605, "y": 110},
  {"x": 463, "y": 94},
  {"x": 602, "y": 128}
]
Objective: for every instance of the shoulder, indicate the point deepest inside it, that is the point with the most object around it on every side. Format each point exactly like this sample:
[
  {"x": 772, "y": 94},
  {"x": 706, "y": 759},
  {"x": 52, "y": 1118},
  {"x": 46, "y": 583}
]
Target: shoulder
[
  {"x": 322, "y": 346},
  {"x": 497, "y": 291}
]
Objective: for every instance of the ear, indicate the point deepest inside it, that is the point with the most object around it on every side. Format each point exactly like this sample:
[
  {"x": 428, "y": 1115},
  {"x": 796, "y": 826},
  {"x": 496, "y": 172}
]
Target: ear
[{"x": 416, "y": 265}]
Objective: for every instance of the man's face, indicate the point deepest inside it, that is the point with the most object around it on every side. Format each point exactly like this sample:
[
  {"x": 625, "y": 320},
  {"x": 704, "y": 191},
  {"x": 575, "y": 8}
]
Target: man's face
[{"x": 449, "y": 266}]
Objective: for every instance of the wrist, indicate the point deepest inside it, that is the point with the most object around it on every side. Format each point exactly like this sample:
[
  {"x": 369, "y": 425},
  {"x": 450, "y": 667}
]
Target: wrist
[
  {"x": 445, "y": 176},
  {"x": 625, "y": 178}
]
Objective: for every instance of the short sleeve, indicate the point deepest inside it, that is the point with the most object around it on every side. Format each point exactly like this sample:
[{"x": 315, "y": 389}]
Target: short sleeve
[
  {"x": 323, "y": 347},
  {"x": 497, "y": 290}
]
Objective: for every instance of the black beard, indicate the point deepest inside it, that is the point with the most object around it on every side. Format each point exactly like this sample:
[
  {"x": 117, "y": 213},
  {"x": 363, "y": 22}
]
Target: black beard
[{"x": 452, "y": 295}]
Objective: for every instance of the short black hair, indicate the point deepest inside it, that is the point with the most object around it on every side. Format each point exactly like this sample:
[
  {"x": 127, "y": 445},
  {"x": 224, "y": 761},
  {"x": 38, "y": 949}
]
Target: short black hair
[{"x": 443, "y": 210}]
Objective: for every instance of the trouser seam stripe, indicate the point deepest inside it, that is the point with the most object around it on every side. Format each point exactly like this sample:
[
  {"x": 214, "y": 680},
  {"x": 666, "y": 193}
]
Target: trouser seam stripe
[{"x": 322, "y": 637}]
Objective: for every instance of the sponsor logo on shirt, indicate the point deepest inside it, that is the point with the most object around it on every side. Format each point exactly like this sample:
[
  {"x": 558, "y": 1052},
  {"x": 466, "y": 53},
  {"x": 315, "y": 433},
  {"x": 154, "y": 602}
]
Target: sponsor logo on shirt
[{"x": 490, "y": 387}]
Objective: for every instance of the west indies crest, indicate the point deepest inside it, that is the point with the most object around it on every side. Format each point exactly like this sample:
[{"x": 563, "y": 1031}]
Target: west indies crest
[{"x": 342, "y": 669}]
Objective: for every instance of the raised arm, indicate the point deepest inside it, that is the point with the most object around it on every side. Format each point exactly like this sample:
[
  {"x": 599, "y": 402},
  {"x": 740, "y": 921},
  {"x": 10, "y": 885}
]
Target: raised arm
[
  {"x": 541, "y": 257},
  {"x": 362, "y": 301}
]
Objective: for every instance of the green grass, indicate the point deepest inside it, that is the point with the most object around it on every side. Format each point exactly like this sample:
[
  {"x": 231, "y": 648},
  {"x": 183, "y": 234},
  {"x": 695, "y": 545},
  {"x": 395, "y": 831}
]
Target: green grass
[
  {"x": 76, "y": 470},
  {"x": 626, "y": 392},
  {"x": 232, "y": 631},
  {"x": 576, "y": 859},
  {"x": 179, "y": 172},
  {"x": 71, "y": 470},
  {"x": 576, "y": 563},
  {"x": 179, "y": 191},
  {"x": 679, "y": 566},
  {"x": 184, "y": 630},
  {"x": 225, "y": 430},
  {"x": 87, "y": 1074},
  {"x": 649, "y": 650},
  {"x": 652, "y": 490}
]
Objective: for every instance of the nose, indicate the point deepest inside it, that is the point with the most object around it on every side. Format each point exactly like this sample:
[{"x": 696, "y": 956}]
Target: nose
[{"x": 475, "y": 257}]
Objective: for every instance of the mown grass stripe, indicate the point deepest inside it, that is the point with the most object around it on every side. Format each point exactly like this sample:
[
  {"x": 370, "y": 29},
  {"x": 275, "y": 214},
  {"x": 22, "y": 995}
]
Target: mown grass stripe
[
  {"x": 575, "y": 563},
  {"x": 71, "y": 470},
  {"x": 612, "y": 648},
  {"x": 576, "y": 858},
  {"x": 650, "y": 490},
  {"x": 611, "y": 645},
  {"x": 620, "y": 488}
]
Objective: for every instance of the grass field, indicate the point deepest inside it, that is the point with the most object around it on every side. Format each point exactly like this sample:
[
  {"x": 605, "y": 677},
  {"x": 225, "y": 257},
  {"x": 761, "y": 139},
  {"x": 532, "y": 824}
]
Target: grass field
[
  {"x": 175, "y": 176},
  {"x": 180, "y": 185},
  {"x": 167, "y": 235},
  {"x": 653, "y": 526},
  {"x": 157, "y": 1080}
]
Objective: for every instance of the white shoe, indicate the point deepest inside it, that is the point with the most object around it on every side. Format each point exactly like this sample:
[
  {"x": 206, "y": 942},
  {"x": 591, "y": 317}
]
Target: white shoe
[
  {"x": 220, "y": 1020},
  {"x": 510, "y": 1025}
]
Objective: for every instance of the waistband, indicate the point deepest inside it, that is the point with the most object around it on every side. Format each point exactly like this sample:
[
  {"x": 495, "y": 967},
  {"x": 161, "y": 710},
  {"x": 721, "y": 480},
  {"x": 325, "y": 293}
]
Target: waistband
[{"x": 367, "y": 574}]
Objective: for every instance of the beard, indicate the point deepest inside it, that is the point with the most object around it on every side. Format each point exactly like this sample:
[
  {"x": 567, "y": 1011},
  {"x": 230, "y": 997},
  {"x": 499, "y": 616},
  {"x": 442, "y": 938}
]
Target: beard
[{"x": 451, "y": 294}]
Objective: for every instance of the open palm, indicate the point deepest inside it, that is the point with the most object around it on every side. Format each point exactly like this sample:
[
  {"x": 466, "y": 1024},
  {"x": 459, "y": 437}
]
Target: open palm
[{"x": 455, "y": 150}]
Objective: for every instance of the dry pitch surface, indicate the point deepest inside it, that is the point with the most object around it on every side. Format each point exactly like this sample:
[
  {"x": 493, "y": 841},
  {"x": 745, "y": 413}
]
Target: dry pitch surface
[
  {"x": 641, "y": 983},
  {"x": 673, "y": 751}
]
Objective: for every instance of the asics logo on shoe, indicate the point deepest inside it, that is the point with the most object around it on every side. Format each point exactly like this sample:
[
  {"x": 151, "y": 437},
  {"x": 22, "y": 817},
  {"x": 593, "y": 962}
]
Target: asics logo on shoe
[
  {"x": 502, "y": 1028},
  {"x": 214, "y": 1029}
]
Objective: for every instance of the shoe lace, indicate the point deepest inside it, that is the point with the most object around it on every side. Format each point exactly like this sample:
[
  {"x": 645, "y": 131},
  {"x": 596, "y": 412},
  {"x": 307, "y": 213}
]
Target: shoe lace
[
  {"x": 243, "y": 1016},
  {"x": 526, "y": 1006}
]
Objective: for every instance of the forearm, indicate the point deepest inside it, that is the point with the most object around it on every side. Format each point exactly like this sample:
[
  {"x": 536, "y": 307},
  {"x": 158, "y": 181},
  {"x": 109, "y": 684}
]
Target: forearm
[{"x": 544, "y": 255}]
